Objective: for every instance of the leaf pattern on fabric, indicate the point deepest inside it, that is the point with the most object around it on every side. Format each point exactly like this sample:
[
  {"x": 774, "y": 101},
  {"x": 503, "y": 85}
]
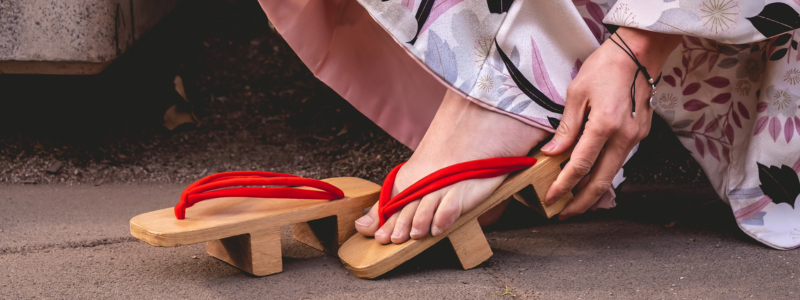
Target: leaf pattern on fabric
[
  {"x": 438, "y": 10},
  {"x": 505, "y": 102},
  {"x": 728, "y": 63},
  {"x": 682, "y": 124},
  {"x": 796, "y": 166},
  {"x": 698, "y": 144},
  {"x": 774, "y": 128},
  {"x": 499, "y": 92},
  {"x": 594, "y": 19},
  {"x": 694, "y": 105},
  {"x": 554, "y": 122},
  {"x": 542, "y": 77},
  {"x": 595, "y": 29},
  {"x": 778, "y": 54},
  {"x": 775, "y": 18},
  {"x": 499, "y": 6},
  {"x": 736, "y": 119},
  {"x": 669, "y": 80},
  {"x": 440, "y": 58},
  {"x": 761, "y": 124},
  {"x": 514, "y": 57},
  {"x": 691, "y": 89},
  {"x": 520, "y": 107},
  {"x": 718, "y": 82},
  {"x": 595, "y": 11},
  {"x": 576, "y": 68},
  {"x": 712, "y": 149},
  {"x": 780, "y": 184},
  {"x": 721, "y": 98},
  {"x": 423, "y": 12},
  {"x": 743, "y": 111},
  {"x": 526, "y": 86},
  {"x": 797, "y": 125},
  {"x": 712, "y": 61},
  {"x": 700, "y": 122}
]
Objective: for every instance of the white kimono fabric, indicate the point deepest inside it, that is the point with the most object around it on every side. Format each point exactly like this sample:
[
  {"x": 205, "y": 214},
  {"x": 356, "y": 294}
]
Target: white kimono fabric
[{"x": 730, "y": 91}]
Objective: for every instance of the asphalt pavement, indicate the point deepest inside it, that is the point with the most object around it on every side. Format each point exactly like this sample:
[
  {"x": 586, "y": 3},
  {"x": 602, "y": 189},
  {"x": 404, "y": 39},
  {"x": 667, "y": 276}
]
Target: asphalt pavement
[{"x": 73, "y": 242}]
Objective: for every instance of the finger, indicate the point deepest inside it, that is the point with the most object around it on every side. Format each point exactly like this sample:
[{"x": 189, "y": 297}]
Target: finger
[
  {"x": 403, "y": 224},
  {"x": 582, "y": 160},
  {"x": 600, "y": 181},
  {"x": 424, "y": 215},
  {"x": 570, "y": 125}
]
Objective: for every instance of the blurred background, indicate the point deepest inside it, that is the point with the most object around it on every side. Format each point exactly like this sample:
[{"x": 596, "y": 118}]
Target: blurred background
[{"x": 212, "y": 88}]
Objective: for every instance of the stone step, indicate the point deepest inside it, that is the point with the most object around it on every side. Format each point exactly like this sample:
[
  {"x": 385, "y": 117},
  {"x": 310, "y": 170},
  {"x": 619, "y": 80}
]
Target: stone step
[{"x": 72, "y": 36}]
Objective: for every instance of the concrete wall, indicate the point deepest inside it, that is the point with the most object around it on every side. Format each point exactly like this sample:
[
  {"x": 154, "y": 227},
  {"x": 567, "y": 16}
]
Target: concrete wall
[{"x": 72, "y": 36}]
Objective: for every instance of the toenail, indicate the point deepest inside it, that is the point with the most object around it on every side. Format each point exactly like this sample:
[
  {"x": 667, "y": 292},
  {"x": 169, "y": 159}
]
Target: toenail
[
  {"x": 549, "y": 146},
  {"x": 414, "y": 232},
  {"x": 364, "y": 221},
  {"x": 435, "y": 231}
]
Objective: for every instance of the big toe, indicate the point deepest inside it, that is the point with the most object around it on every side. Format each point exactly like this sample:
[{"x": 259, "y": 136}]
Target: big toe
[{"x": 368, "y": 224}]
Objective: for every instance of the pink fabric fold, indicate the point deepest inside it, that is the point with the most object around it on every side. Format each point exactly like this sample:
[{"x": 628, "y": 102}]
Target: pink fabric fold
[{"x": 344, "y": 47}]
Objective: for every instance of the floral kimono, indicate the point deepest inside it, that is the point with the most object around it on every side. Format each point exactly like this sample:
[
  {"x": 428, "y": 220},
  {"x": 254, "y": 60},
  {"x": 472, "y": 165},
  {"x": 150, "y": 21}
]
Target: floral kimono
[{"x": 730, "y": 91}]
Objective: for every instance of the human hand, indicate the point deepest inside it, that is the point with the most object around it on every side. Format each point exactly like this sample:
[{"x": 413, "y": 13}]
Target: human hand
[{"x": 602, "y": 91}]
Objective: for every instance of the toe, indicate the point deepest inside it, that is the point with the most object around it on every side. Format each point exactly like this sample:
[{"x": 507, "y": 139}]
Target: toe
[
  {"x": 383, "y": 235},
  {"x": 461, "y": 198},
  {"x": 424, "y": 215},
  {"x": 402, "y": 226},
  {"x": 448, "y": 211},
  {"x": 368, "y": 224}
]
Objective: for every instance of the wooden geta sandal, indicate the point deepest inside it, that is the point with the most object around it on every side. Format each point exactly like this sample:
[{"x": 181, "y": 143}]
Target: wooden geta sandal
[
  {"x": 367, "y": 258},
  {"x": 245, "y": 232}
]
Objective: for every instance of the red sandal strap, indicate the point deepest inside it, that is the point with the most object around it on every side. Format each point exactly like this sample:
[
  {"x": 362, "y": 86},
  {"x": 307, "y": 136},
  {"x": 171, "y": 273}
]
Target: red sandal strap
[
  {"x": 476, "y": 169},
  {"x": 241, "y": 184}
]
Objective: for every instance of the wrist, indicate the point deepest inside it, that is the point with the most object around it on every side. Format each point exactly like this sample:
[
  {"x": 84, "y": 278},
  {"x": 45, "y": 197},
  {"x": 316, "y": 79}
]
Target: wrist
[{"x": 651, "y": 48}]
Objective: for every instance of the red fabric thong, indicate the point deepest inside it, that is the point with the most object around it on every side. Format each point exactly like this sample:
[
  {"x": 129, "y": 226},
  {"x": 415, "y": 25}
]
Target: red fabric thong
[
  {"x": 484, "y": 168},
  {"x": 254, "y": 184}
]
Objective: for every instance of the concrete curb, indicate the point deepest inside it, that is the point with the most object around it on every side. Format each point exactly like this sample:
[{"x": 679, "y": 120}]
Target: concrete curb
[{"x": 72, "y": 36}]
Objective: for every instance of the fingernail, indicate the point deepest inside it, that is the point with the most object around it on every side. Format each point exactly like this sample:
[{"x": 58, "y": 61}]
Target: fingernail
[
  {"x": 396, "y": 234},
  {"x": 549, "y": 146},
  {"x": 414, "y": 232},
  {"x": 435, "y": 231},
  {"x": 380, "y": 233},
  {"x": 364, "y": 221}
]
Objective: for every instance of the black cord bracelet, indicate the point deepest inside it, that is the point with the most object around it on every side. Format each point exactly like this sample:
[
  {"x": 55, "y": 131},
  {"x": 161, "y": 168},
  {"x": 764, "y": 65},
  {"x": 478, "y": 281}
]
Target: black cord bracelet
[{"x": 640, "y": 68}]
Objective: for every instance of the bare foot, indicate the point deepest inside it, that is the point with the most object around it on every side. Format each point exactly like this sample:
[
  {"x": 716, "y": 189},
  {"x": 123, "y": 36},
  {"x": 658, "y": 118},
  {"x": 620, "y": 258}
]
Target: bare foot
[{"x": 461, "y": 131}]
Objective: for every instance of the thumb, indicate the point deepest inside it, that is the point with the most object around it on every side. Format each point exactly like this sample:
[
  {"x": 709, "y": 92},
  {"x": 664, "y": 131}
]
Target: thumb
[{"x": 568, "y": 130}]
